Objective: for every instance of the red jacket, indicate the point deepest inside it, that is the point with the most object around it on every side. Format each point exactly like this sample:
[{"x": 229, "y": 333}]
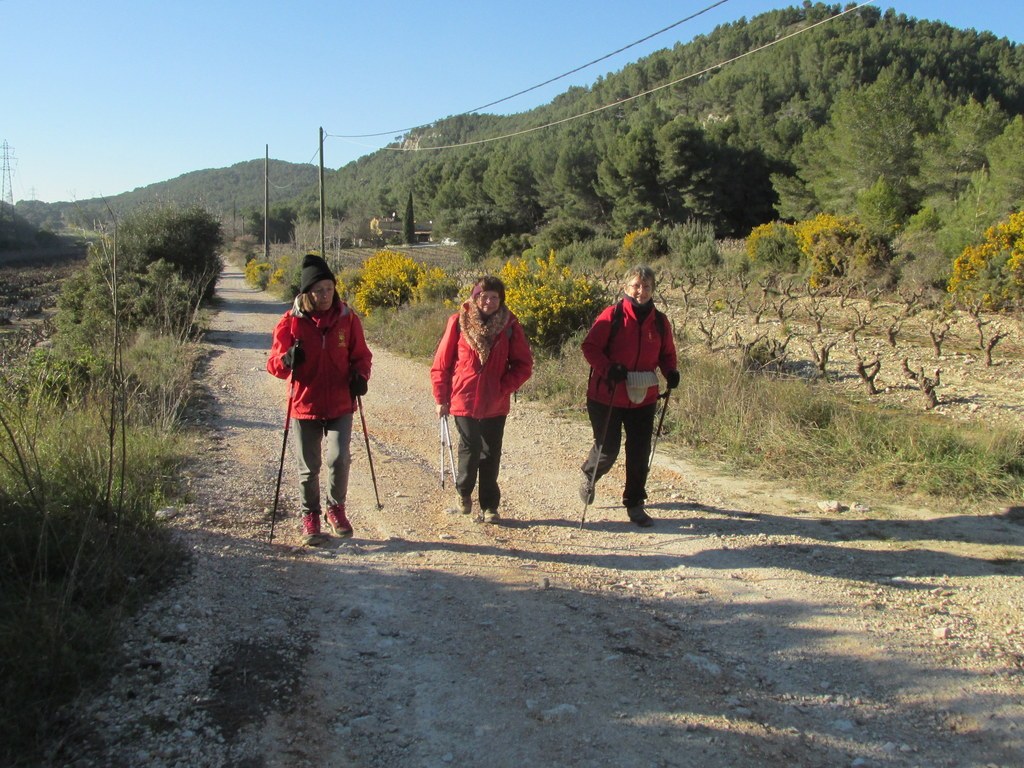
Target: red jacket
[
  {"x": 638, "y": 346},
  {"x": 335, "y": 350},
  {"x": 470, "y": 388}
]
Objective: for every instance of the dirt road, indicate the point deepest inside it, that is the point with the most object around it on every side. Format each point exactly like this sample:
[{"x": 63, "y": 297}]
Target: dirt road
[{"x": 747, "y": 628}]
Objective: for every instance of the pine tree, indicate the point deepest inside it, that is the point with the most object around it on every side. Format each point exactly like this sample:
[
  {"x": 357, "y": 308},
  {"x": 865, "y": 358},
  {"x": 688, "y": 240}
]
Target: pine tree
[{"x": 409, "y": 224}]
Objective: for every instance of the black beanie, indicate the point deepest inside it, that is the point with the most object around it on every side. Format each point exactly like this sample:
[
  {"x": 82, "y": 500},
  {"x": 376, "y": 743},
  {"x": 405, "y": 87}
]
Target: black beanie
[{"x": 314, "y": 269}]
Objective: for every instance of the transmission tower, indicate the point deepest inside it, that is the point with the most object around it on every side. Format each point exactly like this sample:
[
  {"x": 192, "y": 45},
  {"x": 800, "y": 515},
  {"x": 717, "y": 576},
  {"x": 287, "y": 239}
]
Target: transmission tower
[{"x": 6, "y": 187}]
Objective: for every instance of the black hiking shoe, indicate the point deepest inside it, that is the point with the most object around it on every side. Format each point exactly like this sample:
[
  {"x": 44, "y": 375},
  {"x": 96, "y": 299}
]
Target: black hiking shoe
[
  {"x": 586, "y": 490},
  {"x": 639, "y": 516}
]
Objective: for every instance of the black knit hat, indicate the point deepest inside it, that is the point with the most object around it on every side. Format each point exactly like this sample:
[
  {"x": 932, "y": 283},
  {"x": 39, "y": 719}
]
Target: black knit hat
[{"x": 314, "y": 269}]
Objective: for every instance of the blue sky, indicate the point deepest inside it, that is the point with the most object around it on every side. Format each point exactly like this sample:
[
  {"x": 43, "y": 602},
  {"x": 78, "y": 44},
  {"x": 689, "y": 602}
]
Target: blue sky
[{"x": 101, "y": 97}]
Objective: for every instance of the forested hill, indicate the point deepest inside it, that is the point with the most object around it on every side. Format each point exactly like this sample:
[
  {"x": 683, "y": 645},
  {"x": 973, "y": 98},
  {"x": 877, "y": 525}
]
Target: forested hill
[
  {"x": 809, "y": 109},
  {"x": 224, "y": 191},
  {"x": 869, "y": 113}
]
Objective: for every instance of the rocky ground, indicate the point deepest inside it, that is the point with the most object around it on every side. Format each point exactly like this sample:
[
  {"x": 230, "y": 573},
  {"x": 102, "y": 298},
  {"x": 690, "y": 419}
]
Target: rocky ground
[{"x": 751, "y": 626}]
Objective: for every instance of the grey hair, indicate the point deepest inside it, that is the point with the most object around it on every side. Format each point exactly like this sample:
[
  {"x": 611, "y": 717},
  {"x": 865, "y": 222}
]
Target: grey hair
[{"x": 645, "y": 273}]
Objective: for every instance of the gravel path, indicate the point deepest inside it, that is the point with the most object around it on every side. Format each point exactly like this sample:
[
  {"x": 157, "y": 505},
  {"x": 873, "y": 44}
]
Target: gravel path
[{"x": 748, "y": 628}]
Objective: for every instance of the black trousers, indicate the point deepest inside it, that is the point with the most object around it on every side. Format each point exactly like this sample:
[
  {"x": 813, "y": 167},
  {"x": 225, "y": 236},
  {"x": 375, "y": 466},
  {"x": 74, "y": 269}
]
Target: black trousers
[
  {"x": 480, "y": 457},
  {"x": 638, "y": 424}
]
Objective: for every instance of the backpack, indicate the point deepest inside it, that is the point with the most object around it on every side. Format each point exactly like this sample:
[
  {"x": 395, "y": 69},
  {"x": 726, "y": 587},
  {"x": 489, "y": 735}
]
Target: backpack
[{"x": 660, "y": 322}]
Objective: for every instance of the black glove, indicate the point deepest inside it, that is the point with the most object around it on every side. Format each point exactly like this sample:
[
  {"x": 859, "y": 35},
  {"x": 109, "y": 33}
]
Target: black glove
[
  {"x": 294, "y": 356},
  {"x": 357, "y": 386},
  {"x": 672, "y": 379},
  {"x": 617, "y": 373}
]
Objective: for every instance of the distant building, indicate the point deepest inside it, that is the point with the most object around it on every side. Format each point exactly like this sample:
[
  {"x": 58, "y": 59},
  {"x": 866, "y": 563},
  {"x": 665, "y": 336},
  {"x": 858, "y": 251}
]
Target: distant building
[{"x": 390, "y": 229}]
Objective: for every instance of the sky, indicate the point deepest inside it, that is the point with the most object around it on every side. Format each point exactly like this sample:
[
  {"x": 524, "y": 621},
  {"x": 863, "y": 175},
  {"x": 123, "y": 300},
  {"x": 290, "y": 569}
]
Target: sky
[{"x": 99, "y": 98}]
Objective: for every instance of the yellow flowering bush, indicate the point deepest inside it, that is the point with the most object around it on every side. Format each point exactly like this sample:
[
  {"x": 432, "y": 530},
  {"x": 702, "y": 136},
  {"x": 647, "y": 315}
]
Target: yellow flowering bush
[
  {"x": 992, "y": 271},
  {"x": 551, "y": 301},
  {"x": 837, "y": 247},
  {"x": 436, "y": 285},
  {"x": 389, "y": 279},
  {"x": 257, "y": 273}
]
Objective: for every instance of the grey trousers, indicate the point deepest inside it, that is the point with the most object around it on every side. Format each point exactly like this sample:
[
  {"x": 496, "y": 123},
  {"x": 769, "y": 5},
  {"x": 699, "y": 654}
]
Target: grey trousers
[{"x": 310, "y": 434}]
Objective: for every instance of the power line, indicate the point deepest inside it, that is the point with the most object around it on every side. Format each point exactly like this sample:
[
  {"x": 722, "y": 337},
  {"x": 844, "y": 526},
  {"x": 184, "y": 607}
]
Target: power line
[
  {"x": 546, "y": 82},
  {"x": 627, "y": 99}
]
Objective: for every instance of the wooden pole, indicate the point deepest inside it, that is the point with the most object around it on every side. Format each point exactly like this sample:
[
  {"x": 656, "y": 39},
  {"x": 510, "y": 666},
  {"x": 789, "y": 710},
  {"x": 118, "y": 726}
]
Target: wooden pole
[
  {"x": 323, "y": 252},
  {"x": 266, "y": 205}
]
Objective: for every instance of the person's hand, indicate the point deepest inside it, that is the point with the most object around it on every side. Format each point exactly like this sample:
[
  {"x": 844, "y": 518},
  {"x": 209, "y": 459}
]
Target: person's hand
[
  {"x": 672, "y": 379},
  {"x": 442, "y": 410},
  {"x": 357, "y": 386},
  {"x": 617, "y": 373},
  {"x": 294, "y": 356}
]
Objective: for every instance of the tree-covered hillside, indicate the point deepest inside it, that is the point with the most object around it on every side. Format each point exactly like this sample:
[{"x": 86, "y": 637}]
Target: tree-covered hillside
[
  {"x": 867, "y": 113},
  {"x": 226, "y": 192}
]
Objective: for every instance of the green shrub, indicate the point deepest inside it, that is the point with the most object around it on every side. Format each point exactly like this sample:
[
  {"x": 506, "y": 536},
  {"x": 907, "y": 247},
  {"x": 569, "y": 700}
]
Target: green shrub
[
  {"x": 692, "y": 246},
  {"x": 775, "y": 246},
  {"x": 164, "y": 263}
]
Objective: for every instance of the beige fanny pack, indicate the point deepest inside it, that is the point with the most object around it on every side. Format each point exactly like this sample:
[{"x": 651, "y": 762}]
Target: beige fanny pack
[{"x": 638, "y": 383}]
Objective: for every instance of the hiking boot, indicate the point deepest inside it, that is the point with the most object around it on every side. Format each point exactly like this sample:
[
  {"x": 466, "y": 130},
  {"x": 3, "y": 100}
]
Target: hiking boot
[
  {"x": 466, "y": 504},
  {"x": 586, "y": 490},
  {"x": 490, "y": 515},
  {"x": 639, "y": 516},
  {"x": 311, "y": 526},
  {"x": 337, "y": 520}
]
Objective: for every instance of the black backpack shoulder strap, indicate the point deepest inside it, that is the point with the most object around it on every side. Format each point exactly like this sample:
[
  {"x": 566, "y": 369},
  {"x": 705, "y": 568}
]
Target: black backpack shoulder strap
[{"x": 617, "y": 315}]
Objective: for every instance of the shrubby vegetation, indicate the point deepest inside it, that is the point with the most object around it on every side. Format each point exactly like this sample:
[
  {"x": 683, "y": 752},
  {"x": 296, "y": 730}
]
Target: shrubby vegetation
[{"x": 90, "y": 441}]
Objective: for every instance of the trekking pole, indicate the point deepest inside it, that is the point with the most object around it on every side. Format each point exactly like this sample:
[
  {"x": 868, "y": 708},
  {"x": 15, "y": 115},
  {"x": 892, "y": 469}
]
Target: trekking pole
[
  {"x": 369, "y": 456},
  {"x": 598, "y": 448},
  {"x": 440, "y": 428},
  {"x": 657, "y": 432},
  {"x": 451, "y": 455},
  {"x": 280, "y": 467}
]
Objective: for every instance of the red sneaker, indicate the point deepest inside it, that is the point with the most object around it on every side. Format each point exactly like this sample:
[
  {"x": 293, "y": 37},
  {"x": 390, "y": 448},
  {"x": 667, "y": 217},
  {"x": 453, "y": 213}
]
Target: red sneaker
[{"x": 337, "y": 520}]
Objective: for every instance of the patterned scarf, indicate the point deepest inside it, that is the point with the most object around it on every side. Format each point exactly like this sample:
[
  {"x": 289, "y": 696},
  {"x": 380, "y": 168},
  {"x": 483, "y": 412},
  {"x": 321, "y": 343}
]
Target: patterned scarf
[{"x": 480, "y": 331}]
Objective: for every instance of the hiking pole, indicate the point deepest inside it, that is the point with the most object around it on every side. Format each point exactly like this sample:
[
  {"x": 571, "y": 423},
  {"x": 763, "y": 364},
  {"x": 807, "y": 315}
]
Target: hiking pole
[
  {"x": 440, "y": 428},
  {"x": 280, "y": 467},
  {"x": 369, "y": 456},
  {"x": 657, "y": 432},
  {"x": 598, "y": 448},
  {"x": 451, "y": 455}
]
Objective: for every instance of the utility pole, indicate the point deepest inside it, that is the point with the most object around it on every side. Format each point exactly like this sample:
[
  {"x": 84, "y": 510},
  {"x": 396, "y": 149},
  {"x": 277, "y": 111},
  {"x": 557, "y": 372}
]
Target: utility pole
[
  {"x": 266, "y": 205},
  {"x": 323, "y": 208}
]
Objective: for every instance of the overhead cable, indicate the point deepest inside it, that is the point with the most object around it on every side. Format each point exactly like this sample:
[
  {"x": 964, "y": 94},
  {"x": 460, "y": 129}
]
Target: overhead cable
[
  {"x": 627, "y": 99},
  {"x": 546, "y": 82}
]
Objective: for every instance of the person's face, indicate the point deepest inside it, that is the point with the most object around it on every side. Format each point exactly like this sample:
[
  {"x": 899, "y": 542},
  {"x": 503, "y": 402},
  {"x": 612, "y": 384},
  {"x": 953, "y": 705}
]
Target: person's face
[
  {"x": 323, "y": 294},
  {"x": 639, "y": 290},
  {"x": 488, "y": 302}
]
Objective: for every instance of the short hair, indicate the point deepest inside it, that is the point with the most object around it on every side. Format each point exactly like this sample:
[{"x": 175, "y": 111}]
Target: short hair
[
  {"x": 489, "y": 283},
  {"x": 645, "y": 273}
]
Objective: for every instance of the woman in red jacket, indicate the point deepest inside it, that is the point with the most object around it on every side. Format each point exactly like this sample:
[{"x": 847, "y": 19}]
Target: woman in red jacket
[
  {"x": 319, "y": 347},
  {"x": 626, "y": 343},
  {"x": 483, "y": 357}
]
